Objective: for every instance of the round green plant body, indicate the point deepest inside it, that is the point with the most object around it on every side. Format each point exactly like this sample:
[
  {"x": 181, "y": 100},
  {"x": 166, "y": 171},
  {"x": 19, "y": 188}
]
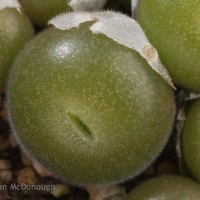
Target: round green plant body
[
  {"x": 40, "y": 12},
  {"x": 90, "y": 110},
  {"x": 15, "y": 31},
  {"x": 173, "y": 29},
  {"x": 166, "y": 188},
  {"x": 190, "y": 139}
]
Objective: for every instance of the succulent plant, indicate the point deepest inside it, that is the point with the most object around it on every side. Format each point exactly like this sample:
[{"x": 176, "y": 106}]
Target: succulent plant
[
  {"x": 15, "y": 31},
  {"x": 173, "y": 29},
  {"x": 40, "y": 12},
  {"x": 190, "y": 139},
  {"x": 89, "y": 109},
  {"x": 166, "y": 188}
]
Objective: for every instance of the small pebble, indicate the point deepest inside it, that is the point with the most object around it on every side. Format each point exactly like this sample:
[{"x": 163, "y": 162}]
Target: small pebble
[
  {"x": 6, "y": 176},
  {"x": 4, "y": 143},
  {"x": 13, "y": 141},
  {"x": 28, "y": 176},
  {"x": 5, "y": 164},
  {"x": 107, "y": 192},
  {"x": 4, "y": 195},
  {"x": 60, "y": 190},
  {"x": 25, "y": 159},
  {"x": 41, "y": 170},
  {"x": 3, "y": 114}
]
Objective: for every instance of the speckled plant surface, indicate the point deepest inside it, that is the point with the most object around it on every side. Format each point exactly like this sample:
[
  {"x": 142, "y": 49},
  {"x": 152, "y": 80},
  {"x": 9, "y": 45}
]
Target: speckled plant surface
[
  {"x": 15, "y": 31},
  {"x": 190, "y": 139},
  {"x": 102, "y": 111},
  {"x": 166, "y": 187},
  {"x": 172, "y": 27}
]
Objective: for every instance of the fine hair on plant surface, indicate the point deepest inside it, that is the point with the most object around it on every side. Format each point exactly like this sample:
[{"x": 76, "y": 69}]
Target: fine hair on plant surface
[{"x": 95, "y": 109}]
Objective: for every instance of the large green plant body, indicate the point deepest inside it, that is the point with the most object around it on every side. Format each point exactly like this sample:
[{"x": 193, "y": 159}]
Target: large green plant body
[{"x": 90, "y": 110}]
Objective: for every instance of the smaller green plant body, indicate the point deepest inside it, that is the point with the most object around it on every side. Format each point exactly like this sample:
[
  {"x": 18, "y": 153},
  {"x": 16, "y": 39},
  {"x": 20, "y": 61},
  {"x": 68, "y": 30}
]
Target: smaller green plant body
[
  {"x": 172, "y": 27},
  {"x": 40, "y": 12},
  {"x": 166, "y": 188},
  {"x": 15, "y": 31},
  {"x": 190, "y": 139}
]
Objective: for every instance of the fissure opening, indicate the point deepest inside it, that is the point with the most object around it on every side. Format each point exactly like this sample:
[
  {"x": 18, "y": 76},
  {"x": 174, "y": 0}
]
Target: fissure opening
[{"x": 82, "y": 127}]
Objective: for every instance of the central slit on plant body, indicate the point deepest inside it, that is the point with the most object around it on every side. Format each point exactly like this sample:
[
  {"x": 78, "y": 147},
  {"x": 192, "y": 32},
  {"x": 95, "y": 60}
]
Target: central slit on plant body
[{"x": 81, "y": 126}]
